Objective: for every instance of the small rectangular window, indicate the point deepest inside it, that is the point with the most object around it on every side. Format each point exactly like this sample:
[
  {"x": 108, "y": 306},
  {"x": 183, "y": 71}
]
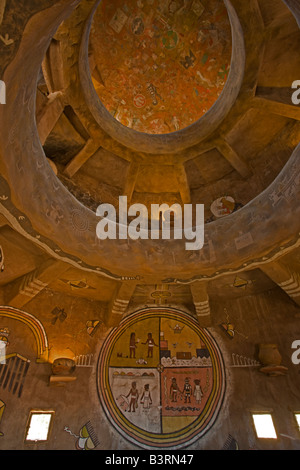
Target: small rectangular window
[
  {"x": 264, "y": 426},
  {"x": 297, "y": 416},
  {"x": 39, "y": 426}
]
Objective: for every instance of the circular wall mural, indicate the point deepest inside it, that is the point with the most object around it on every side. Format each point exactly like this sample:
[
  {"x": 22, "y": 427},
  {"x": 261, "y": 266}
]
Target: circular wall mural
[
  {"x": 161, "y": 379},
  {"x": 159, "y": 65}
]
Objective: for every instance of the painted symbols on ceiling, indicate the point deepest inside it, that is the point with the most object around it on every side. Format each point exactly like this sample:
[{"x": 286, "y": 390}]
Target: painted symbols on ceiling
[{"x": 162, "y": 63}]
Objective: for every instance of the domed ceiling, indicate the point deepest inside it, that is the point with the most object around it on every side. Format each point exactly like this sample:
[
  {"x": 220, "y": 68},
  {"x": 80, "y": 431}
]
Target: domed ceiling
[{"x": 160, "y": 65}]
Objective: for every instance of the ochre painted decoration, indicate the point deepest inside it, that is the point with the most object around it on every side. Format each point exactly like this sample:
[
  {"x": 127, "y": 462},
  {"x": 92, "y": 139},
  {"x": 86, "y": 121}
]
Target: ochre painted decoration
[
  {"x": 92, "y": 326},
  {"x": 78, "y": 284},
  {"x": 4, "y": 334},
  {"x": 87, "y": 439},
  {"x": 240, "y": 283},
  {"x": 229, "y": 327},
  {"x": 161, "y": 378},
  {"x": 35, "y": 326},
  {"x": 58, "y": 314},
  {"x": 160, "y": 64}
]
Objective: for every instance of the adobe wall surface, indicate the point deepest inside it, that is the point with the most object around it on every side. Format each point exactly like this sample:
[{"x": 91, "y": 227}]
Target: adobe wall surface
[{"x": 268, "y": 318}]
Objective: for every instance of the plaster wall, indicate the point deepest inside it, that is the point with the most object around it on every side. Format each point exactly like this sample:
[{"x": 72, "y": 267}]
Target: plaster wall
[{"x": 265, "y": 318}]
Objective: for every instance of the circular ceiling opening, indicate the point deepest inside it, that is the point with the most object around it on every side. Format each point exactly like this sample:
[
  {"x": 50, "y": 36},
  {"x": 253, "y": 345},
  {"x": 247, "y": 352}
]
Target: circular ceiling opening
[{"x": 159, "y": 65}]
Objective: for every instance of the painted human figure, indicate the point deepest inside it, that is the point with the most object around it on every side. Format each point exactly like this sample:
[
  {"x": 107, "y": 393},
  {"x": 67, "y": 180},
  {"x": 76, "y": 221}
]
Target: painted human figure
[
  {"x": 134, "y": 395},
  {"x": 198, "y": 391},
  {"x": 187, "y": 391},
  {"x": 132, "y": 345},
  {"x": 174, "y": 390},
  {"x": 146, "y": 398},
  {"x": 151, "y": 343}
]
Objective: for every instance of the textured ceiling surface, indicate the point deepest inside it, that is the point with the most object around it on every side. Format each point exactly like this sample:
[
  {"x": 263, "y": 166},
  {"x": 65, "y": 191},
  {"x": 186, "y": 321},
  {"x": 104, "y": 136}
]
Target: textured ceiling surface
[
  {"x": 160, "y": 65},
  {"x": 250, "y": 163}
]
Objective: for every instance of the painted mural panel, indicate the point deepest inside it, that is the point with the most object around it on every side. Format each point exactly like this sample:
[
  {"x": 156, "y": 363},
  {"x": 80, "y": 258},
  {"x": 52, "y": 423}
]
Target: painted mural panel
[
  {"x": 137, "y": 395},
  {"x": 161, "y": 379},
  {"x": 160, "y": 65}
]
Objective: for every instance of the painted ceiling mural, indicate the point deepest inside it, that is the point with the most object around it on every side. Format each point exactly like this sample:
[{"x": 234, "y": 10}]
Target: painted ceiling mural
[
  {"x": 161, "y": 379},
  {"x": 159, "y": 65}
]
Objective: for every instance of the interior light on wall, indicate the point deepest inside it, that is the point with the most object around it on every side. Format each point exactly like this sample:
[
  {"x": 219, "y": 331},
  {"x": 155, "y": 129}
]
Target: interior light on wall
[
  {"x": 58, "y": 351},
  {"x": 264, "y": 426},
  {"x": 38, "y": 427}
]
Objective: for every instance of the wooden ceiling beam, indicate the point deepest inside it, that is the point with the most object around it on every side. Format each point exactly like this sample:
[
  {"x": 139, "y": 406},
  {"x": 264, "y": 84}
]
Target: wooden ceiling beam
[
  {"x": 201, "y": 303},
  {"x": 119, "y": 303},
  {"x": 287, "y": 280},
  {"x": 271, "y": 106},
  {"x": 235, "y": 160},
  {"x": 21, "y": 291},
  {"x": 89, "y": 149},
  {"x": 183, "y": 184},
  {"x": 131, "y": 179},
  {"x": 48, "y": 115}
]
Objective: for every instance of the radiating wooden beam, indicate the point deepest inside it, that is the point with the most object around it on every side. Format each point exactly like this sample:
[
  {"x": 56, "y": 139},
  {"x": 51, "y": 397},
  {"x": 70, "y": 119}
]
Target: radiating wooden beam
[
  {"x": 81, "y": 158},
  {"x": 278, "y": 94},
  {"x": 192, "y": 153},
  {"x": 119, "y": 303},
  {"x": 52, "y": 67},
  {"x": 235, "y": 160},
  {"x": 48, "y": 116},
  {"x": 287, "y": 280},
  {"x": 288, "y": 110},
  {"x": 76, "y": 122},
  {"x": 201, "y": 303},
  {"x": 131, "y": 179},
  {"x": 21, "y": 291},
  {"x": 183, "y": 184}
]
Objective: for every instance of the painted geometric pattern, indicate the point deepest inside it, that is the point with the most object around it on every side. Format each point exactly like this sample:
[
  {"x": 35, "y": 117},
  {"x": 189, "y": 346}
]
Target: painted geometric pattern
[{"x": 161, "y": 379}]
